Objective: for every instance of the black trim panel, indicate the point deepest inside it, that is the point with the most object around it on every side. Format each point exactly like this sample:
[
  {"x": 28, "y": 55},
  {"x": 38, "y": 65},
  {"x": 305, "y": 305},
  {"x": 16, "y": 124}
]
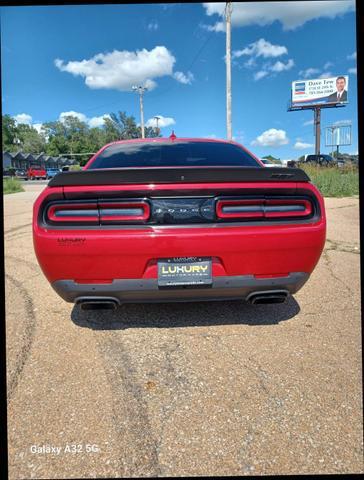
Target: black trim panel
[
  {"x": 178, "y": 175},
  {"x": 146, "y": 290}
]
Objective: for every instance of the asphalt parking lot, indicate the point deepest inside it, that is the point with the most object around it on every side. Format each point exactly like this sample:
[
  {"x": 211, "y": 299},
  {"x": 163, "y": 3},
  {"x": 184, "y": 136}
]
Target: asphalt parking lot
[{"x": 187, "y": 389}]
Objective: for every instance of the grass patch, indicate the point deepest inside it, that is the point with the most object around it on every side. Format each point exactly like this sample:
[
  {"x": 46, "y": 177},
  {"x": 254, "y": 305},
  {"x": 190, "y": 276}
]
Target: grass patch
[
  {"x": 334, "y": 181},
  {"x": 12, "y": 185}
]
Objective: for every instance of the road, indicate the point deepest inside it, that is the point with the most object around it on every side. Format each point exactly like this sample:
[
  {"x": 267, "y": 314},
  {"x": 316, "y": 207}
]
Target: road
[{"x": 186, "y": 389}]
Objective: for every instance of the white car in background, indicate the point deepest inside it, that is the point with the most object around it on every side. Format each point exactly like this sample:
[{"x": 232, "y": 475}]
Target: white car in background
[{"x": 267, "y": 163}]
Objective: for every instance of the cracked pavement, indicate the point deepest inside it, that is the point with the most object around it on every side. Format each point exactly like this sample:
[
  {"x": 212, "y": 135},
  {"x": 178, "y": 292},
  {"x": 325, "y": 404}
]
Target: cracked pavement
[{"x": 215, "y": 388}]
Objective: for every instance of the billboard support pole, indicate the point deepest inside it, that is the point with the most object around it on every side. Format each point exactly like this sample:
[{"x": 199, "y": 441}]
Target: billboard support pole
[{"x": 317, "y": 122}]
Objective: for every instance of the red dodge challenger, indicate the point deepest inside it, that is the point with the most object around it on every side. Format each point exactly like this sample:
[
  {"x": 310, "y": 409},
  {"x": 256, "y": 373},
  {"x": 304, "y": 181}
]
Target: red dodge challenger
[{"x": 178, "y": 219}]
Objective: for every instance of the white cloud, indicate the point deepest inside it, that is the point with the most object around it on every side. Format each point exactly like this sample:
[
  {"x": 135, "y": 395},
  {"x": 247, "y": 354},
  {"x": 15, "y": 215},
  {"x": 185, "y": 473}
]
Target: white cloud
[
  {"x": 81, "y": 117},
  {"x": 23, "y": 118},
  {"x": 27, "y": 119},
  {"x": 290, "y": 14},
  {"x": 313, "y": 72},
  {"x": 121, "y": 70},
  {"x": 308, "y": 122},
  {"x": 325, "y": 75},
  {"x": 271, "y": 138},
  {"x": 352, "y": 70},
  {"x": 183, "y": 78},
  {"x": 97, "y": 122},
  {"x": 276, "y": 67},
  {"x": 162, "y": 122},
  {"x": 280, "y": 66},
  {"x": 343, "y": 122},
  {"x": 309, "y": 72},
  {"x": 153, "y": 25},
  {"x": 251, "y": 63},
  {"x": 352, "y": 56},
  {"x": 260, "y": 74},
  {"x": 94, "y": 122},
  {"x": 261, "y": 48},
  {"x": 217, "y": 27},
  {"x": 302, "y": 145},
  {"x": 37, "y": 126}
]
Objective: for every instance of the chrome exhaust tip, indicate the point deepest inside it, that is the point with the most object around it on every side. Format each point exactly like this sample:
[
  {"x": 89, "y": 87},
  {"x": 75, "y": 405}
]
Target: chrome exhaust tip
[
  {"x": 97, "y": 303},
  {"x": 267, "y": 297}
]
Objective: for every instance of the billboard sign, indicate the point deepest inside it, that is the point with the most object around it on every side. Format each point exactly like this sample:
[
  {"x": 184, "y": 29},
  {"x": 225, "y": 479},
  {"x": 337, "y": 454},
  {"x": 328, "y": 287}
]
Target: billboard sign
[
  {"x": 320, "y": 91},
  {"x": 338, "y": 135}
]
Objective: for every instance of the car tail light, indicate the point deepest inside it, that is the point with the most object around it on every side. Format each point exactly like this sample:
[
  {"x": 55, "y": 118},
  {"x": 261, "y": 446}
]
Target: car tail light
[
  {"x": 85, "y": 213},
  {"x": 97, "y": 212},
  {"x": 119, "y": 212},
  {"x": 240, "y": 208},
  {"x": 287, "y": 208},
  {"x": 263, "y": 208}
]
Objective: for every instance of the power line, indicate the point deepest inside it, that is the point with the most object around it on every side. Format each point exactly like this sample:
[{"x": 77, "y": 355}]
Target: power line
[
  {"x": 228, "y": 9},
  {"x": 157, "y": 94}
]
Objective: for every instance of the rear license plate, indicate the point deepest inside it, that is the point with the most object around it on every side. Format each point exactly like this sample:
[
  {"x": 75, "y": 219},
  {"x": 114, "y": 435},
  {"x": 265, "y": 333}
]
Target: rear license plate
[{"x": 174, "y": 272}]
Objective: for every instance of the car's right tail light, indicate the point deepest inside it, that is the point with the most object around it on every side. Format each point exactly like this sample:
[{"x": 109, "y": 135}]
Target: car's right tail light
[{"x": 263, "y": 208}]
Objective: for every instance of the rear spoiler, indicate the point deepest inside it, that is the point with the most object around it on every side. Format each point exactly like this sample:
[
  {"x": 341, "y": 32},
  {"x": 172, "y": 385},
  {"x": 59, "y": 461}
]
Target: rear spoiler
[{"x": 142, "y": 175}]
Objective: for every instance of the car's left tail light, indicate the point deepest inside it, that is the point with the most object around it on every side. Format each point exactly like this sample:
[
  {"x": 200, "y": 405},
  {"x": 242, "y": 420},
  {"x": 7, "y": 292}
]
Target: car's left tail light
[
  {"x": 96, "y": 212},
  {"x": 72, "y": 213}
]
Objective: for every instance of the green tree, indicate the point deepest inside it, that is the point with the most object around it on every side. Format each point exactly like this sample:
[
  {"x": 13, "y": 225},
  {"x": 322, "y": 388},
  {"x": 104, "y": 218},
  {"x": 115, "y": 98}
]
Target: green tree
[
  {"x": 9, "y": 134},
  {"x": 124, "y": 127},
  {"x": 29, "y": 140}
]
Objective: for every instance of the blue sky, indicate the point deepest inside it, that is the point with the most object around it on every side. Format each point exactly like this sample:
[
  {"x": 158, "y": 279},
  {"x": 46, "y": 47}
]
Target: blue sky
[{"x": 85, "y": 59}]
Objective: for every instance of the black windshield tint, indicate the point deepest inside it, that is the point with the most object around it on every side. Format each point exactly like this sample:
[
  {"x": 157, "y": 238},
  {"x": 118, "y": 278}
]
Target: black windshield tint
[{"x": 160, "y": 154}]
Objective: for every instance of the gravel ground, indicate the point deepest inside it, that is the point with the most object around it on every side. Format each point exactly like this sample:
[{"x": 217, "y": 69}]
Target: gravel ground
[{"x": 187, "y": 389}]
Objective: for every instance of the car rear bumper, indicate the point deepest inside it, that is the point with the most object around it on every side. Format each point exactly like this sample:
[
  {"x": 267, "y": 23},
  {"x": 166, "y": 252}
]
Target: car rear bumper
[{"x": 147, "y": 290}]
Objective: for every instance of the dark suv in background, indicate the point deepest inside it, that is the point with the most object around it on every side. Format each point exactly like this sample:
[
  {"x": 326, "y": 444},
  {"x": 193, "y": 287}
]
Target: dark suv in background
[{"x": 322, "y": 159}]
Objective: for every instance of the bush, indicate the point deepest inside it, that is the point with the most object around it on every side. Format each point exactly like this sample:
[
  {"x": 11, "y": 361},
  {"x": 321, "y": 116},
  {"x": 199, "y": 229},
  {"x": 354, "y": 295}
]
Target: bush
[
  {"x": 75, "y": 168},
  {"x": 12, "y": 185},
  {"x": 334, "y": 181}
]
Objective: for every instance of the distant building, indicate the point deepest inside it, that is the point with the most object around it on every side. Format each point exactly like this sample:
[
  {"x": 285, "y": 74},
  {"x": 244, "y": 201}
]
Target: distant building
[{"x": 22, "y": 161}]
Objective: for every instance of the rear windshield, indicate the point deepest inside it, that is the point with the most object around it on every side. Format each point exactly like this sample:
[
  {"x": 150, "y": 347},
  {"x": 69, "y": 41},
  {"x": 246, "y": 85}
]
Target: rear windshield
[{"x": 178, "y": 153}]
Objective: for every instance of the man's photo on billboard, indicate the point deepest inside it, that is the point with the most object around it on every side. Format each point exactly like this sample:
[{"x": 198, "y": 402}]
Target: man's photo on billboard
[{"x": 341, "y": 94}]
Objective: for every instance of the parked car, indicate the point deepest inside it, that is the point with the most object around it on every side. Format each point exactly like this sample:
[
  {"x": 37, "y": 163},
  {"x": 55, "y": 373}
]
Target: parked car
[
  {"x": 36, "y": 172},
  {"x": 52, "y": 172},
  {"x": 168, "y": 219},
  {"x": 20, "y": 173},
  {"x": 267, "y": 163}
]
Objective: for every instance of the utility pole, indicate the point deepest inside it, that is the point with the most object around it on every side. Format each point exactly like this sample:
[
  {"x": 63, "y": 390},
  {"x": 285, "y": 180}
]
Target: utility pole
[
  {"x": 157, "y": 119},
  {"x": 317, "y": 123},
  {"x": 228, "y": 10},
  {"x": 139, "y": 89}
]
